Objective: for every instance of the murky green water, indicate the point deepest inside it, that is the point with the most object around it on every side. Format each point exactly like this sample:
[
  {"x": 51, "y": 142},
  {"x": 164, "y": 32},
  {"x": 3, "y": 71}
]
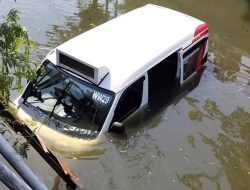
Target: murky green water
[{"x": 201, "y": 141}]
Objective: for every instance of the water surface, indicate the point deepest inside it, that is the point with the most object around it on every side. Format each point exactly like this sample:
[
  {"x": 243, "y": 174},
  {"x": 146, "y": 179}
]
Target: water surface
[{"x": 201, "y": 141}]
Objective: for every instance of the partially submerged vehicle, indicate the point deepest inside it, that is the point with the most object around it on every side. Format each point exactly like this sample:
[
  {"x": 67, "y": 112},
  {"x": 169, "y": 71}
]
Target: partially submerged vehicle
[{"x": 90, "y": 84}]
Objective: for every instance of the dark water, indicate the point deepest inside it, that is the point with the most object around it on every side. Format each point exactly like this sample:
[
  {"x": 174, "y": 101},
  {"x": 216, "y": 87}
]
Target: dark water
[{"x": 201, "y": 141}]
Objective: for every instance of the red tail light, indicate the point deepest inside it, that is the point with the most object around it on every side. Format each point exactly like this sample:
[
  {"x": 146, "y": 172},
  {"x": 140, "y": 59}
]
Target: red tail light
[{"x": 200, "y": 32}]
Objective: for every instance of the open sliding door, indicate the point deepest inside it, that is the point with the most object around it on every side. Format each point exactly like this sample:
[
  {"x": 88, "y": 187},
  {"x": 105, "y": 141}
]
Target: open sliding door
[{"x": 191, "y": 61}]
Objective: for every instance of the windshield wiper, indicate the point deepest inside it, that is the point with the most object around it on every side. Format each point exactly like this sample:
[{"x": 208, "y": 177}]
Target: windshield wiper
[
  {"x": 33, "y": 86},
  {"x": 63, "y": 93}
]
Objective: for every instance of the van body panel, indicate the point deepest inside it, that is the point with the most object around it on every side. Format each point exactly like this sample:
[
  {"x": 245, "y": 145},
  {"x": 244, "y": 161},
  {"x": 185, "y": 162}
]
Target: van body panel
[
  {"x": 132, "y": 58},
  {"x": 132, "y": 43}
]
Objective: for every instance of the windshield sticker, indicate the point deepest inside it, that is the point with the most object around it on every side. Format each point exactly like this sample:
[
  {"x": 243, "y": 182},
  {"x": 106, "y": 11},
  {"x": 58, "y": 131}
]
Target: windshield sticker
[{"x": 100, "y": 97}]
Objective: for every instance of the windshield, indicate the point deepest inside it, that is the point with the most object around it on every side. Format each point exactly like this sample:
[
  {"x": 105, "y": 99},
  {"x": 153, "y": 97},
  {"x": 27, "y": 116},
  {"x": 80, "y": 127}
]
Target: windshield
[{"x": 71, "y": 105}]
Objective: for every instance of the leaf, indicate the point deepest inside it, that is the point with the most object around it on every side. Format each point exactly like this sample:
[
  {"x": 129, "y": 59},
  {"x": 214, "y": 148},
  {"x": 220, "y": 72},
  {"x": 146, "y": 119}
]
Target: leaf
[
  {"x": 13, "y": 16},
  {"x": 32, "y": 44},
  {"x": 18, "y": 44}
]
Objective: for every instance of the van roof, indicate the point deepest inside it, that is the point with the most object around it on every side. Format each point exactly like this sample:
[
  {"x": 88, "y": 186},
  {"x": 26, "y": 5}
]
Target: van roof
[{"x": 131, "y": 44}]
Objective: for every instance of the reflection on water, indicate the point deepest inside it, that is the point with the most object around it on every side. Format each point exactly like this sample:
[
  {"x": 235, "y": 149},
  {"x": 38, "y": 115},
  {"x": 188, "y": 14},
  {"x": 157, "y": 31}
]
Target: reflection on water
[
  {"x": 89, "y": 15},
  {"x": 246, "y": 16},
  {"x": 231, "y": 147},
  {"x": 231, "y": 63},
  {"x": 88, "y": 151},
  {"x": 195, "y": 181},
  {"x": 198, "y": 142}
]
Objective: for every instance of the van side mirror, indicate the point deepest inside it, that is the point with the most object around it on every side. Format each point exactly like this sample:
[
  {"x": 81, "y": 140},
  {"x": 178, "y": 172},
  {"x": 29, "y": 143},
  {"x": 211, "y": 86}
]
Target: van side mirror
[{"x": 117, "y": 127}]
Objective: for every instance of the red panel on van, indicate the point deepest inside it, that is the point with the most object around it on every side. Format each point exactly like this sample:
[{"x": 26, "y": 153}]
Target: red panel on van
[{"x": 200, "y": 32}]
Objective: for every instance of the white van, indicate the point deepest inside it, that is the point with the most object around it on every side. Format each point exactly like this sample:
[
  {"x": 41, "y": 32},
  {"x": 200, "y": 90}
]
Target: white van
[{"x": 90, "y": 84}]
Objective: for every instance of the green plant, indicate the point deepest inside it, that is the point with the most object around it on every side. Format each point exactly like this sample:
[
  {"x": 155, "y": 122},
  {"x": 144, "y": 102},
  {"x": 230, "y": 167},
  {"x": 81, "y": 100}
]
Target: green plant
[{"x": 15, "y": 63}]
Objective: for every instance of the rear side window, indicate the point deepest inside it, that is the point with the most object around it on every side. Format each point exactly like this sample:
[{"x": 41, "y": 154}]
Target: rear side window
[
  {"x": 191, "y": 58},
  {"x": 129, "y": 101}
]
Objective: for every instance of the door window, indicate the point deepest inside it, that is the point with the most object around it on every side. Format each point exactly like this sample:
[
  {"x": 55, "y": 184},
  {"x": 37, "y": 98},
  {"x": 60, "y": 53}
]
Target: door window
[{"x": 129, "y": 101}]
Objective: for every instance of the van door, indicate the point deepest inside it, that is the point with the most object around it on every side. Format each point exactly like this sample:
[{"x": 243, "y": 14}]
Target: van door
[
  {"x": 192, "y": 60},
  {"x": 130, "y": 100}
]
